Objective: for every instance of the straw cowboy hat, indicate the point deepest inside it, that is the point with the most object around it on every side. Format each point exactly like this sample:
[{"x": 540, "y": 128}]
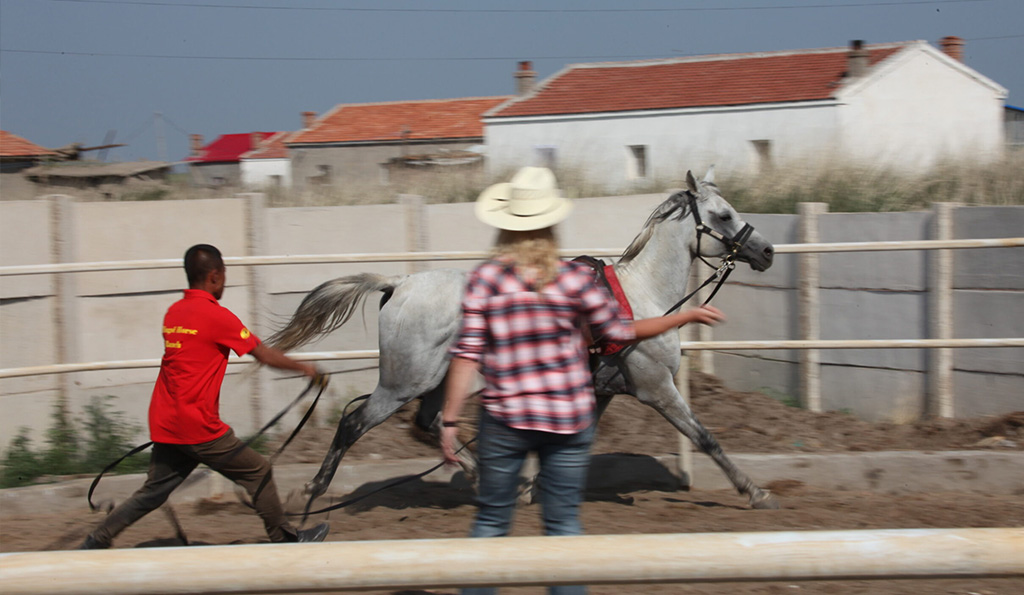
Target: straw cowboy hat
[{"x": 529, "y": 201}]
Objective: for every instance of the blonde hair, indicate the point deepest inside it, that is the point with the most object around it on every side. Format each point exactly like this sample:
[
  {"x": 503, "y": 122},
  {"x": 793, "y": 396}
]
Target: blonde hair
[{"x": 534, "y": 254}]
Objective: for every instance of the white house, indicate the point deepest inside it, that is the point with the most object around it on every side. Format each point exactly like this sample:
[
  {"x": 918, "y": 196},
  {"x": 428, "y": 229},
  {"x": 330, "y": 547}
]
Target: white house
[
  {"x": 267, "y": 165},
  {"x": 906, "y": 105}
]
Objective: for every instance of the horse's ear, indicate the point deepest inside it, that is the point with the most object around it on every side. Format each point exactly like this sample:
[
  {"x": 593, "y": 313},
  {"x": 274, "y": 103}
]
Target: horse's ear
[
  {"x": 691, "y": 182},
  {"x": 709, "y": 178}
]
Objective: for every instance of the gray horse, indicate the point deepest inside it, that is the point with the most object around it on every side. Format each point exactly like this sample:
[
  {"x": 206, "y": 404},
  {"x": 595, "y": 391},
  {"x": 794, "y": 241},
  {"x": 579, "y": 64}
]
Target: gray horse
[{"x": 420, "y": 316}]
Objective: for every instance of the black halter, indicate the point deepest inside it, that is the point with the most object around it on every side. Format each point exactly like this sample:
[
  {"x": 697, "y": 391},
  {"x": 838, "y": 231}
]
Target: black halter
[{"x": 733, "y": 245}]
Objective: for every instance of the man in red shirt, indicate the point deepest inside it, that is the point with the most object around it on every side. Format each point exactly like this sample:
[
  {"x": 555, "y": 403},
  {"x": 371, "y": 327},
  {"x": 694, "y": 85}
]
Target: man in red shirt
[{"x": 184, "y": 412}]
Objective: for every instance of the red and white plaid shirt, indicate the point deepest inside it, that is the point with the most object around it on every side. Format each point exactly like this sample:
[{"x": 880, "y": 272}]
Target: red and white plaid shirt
[{"x": 530, "y": 345}]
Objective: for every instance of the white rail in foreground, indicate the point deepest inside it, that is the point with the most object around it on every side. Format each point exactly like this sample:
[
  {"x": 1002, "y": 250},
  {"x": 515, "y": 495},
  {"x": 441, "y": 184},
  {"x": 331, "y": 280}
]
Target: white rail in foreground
[{"x": 591, "y": 559}]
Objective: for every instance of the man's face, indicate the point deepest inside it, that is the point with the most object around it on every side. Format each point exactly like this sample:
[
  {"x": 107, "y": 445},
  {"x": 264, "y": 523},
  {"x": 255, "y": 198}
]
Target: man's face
[{"x": 217, "y": 279}]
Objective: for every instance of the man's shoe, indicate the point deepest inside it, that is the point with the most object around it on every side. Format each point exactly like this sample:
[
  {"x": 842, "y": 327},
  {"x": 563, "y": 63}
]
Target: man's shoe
[
  {"x": 92, "y": 544},
  {"x": 314, "y": 534}
]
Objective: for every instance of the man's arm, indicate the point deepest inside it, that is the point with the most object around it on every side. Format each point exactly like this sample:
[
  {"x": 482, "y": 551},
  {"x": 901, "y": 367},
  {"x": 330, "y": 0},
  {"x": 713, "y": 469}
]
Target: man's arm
[{"x": 275, "y": 358}]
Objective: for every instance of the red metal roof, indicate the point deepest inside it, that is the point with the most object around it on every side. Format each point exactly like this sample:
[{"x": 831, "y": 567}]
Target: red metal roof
[
  {"x": 705, "y": 81},
  {"x": 271, "y": 147},
  {"x": 403, "y": 120},
  {"x": 12, "y": 145},
  {"x": 227, "y": 148}
]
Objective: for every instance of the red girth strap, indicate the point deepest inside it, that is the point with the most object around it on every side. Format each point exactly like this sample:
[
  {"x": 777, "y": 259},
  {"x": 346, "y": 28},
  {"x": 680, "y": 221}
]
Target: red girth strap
[{"x": 609, "y": 347}]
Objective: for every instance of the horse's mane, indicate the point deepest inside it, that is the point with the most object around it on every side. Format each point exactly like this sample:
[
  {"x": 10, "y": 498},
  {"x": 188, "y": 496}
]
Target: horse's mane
[{"x": 674, "y": 206}]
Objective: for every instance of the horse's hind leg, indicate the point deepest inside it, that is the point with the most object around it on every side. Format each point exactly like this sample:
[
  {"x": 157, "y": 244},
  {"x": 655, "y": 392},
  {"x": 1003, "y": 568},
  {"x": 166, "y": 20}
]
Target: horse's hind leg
[
  {"x": 665, "y": 399},
  {"x": 380, "y": 405}
]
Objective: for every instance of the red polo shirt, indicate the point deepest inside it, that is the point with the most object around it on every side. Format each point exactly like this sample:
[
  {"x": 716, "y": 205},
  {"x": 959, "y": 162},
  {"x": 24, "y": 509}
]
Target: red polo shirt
[{"x": 198, "y": 334}]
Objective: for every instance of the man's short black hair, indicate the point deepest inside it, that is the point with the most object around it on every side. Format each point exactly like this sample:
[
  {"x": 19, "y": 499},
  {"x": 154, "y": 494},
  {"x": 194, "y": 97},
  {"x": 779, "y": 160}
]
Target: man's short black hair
[{"x": 200, "y": 261}]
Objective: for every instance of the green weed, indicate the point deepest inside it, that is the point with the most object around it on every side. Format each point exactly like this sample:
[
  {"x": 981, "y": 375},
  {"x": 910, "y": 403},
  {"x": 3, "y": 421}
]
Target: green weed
[{"x": 73, "y": 448}]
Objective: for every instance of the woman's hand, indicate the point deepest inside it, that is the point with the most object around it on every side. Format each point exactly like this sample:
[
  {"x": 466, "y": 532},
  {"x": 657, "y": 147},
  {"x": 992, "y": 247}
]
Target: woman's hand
[
  {"x": 449, "y": 435},
  {"x": 706, "y": 315}
]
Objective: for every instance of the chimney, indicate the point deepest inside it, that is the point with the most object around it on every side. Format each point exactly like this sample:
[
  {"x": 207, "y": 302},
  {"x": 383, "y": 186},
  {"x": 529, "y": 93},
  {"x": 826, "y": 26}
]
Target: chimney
[
  {"x": 255, "y": 138},
  {"x": 307, "y": 119},
  {"x": 196, "y": 143},
  {"x": 953, "y": 47},
  {"x": 525, "y": 77},
  {"x": 858, "y": 59}
]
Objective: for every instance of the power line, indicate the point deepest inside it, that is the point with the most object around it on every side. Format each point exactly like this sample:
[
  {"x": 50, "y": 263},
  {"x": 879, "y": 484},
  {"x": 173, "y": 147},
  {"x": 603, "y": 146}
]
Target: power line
[
  {"x": 325, "y": 59},
  {"x": 517, "y": 10},
  {"x": 372, "y": 59}
]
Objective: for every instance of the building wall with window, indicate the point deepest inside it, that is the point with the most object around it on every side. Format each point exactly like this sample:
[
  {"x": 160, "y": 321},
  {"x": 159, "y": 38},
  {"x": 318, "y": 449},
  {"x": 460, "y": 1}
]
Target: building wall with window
[
  {"x": 621, "y": 125},
  {"x": 623, "y": 149},
  {"x": 357, "y": 164}
]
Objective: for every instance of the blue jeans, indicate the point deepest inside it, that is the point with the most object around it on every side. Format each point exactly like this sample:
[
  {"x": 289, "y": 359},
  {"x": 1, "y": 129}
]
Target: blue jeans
[{"x": 564, "y": 460}]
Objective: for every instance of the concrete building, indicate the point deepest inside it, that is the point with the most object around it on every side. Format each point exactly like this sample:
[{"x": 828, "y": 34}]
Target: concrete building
[
  {"x": 1014, "y": 127},
  {"x": 218, "y": 164},
  {"x": 376, "y": 144},
  {"x": 267, "y": 166},
  {"x": 16, "y": 155},
  {"x": 907, "y": 104}
]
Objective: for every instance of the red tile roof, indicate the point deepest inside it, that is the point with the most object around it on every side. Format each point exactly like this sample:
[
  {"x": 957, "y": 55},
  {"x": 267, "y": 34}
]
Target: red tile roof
[
  {"x": 271, "y": 147},
  {"x": 704, "y": 81},
  {"x": 432, "y": 119},
  {"x": 227, "y": 148},
  {"x": 12, "y": 145}
]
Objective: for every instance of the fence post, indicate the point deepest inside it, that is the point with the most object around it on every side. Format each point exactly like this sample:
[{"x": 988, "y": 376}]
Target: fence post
[
  {"x": 705, "y": 358},
  {"x": 940, "y": 288},
  {"x": 256, "y": 233},
  {"x": 704, "y": 363},
  {"x": 416, "y": 239},
  {"x": 66, "y": 291},
  {"x": 684, "y": 462},
  {"x": 810, "y": 304}
]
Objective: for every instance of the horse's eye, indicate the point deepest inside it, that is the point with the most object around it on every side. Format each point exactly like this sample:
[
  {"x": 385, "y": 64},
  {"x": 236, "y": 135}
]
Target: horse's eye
[{"x": 726, "y": 217}]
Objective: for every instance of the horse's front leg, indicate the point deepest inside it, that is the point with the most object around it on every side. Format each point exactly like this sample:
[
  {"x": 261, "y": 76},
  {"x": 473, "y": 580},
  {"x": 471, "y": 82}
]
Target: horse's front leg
[{"x": 656, "y": 389}]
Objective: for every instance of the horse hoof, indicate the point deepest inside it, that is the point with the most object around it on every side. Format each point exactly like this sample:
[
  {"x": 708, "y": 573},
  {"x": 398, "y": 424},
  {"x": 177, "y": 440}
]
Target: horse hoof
[{"x": 763, "y": 500}]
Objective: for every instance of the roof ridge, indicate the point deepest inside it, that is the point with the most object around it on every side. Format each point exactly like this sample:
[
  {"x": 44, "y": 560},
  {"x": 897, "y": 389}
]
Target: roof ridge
[
  {"x": 405, "y": 101},
  {"x": 737, "y": 56}
]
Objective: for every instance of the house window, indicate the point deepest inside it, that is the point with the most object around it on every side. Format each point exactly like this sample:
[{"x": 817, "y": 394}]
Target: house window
[
  {"x": 219, "y": 181},
  {"x": 637, "y": 165},
  {"x": 323, "y": 177},
  {"x": 275, "y": 181},
  {"x": 547, "y": 156},
  {"x": 763, "y": 148}
]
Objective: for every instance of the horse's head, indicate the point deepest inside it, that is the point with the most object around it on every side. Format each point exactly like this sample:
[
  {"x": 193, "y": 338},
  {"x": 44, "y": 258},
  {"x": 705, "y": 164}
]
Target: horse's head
[{"x": 720, "y": 230}]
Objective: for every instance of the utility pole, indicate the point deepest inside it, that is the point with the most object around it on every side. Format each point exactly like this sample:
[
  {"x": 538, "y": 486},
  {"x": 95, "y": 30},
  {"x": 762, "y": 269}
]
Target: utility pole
[{"x": 161, "y": 144}]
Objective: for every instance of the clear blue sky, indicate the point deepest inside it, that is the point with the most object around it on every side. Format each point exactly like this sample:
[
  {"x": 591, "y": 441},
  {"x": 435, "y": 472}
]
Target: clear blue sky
[{"x": 73, "y": 70}]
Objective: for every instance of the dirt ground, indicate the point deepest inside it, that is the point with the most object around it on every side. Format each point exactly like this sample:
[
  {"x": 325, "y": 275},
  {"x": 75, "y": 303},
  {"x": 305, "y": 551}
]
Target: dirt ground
[{"x": 743, "y": 423}]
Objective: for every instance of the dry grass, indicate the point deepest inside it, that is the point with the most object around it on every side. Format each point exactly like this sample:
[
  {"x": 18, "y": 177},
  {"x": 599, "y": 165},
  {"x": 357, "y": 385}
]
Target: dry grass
[
  {"x": 844, "y": 188},
  {"x": 851, "y": 189}
]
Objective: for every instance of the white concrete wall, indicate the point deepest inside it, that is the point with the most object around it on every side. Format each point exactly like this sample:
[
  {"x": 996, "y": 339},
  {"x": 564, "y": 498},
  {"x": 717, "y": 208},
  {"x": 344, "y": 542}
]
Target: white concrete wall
[
  {"x": 597, "y": 145},
  {"x": 865, "y": 295},
  {"x": 913, "y": 110},
  {"x": 258, "y": 173},
  {"x": 920, "y": 110}
]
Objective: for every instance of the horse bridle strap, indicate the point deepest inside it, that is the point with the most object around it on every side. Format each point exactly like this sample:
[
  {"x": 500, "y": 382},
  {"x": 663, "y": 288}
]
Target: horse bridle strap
[
  {"x": 722, "y": 271},
  {"x": 733, "y": 244}
]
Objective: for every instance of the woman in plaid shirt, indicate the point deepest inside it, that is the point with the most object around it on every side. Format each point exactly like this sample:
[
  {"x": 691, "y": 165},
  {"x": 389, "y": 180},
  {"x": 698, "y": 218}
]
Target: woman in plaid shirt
[{"x": 523, "y": 313}]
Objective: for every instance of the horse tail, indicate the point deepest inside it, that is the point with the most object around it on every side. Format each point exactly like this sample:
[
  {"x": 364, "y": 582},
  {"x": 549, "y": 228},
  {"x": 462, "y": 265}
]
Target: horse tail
[{"x": 328, "y": 307}]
